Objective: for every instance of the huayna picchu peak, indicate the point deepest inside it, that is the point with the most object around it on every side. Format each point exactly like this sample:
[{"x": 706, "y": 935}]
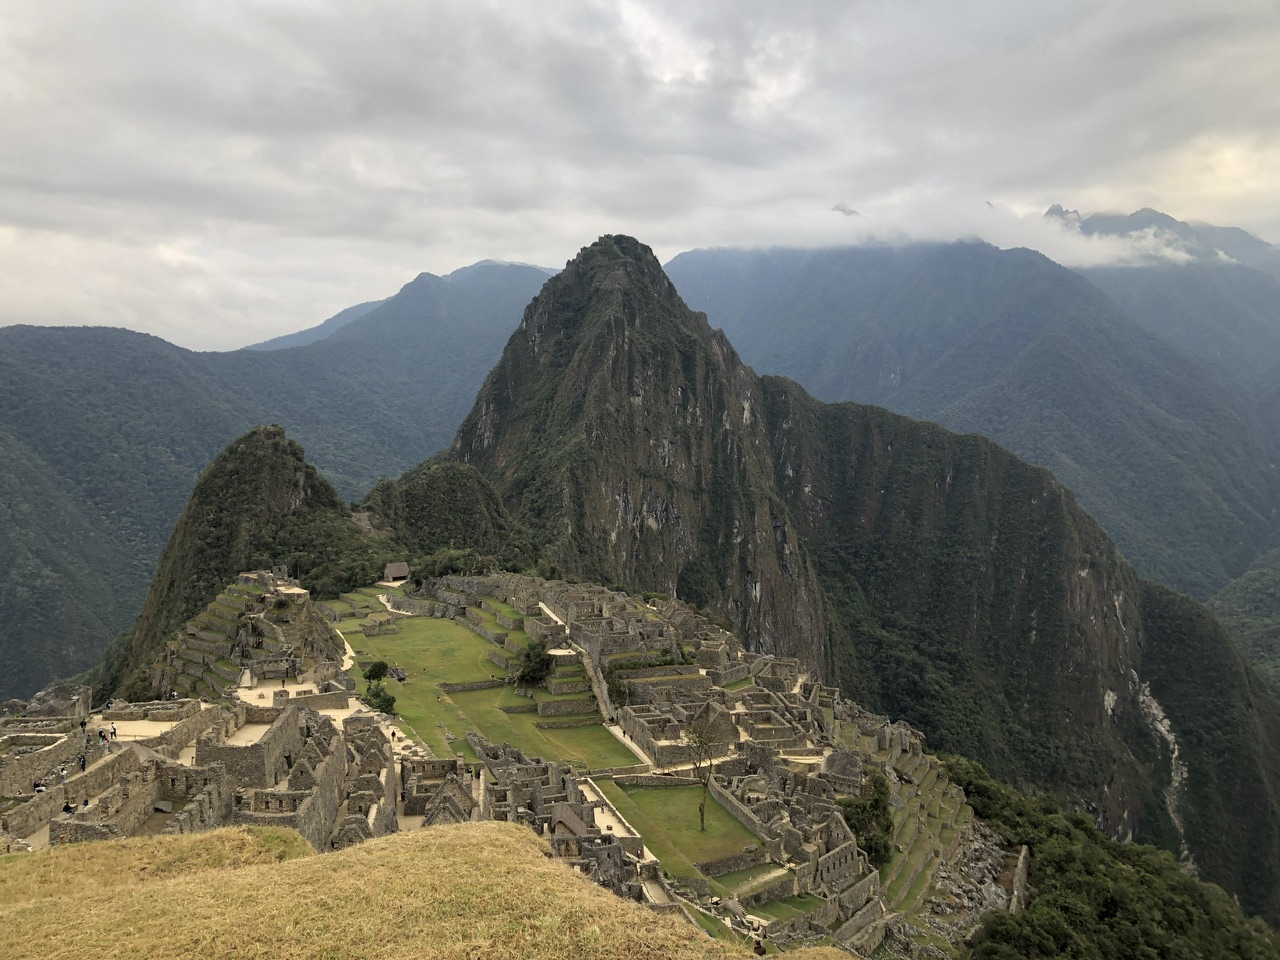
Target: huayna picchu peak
[{"x": 628, "y": 435}]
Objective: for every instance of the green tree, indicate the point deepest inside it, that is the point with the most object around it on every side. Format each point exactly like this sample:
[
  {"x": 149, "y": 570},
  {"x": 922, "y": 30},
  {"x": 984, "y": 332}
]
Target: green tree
[
  {"x": 535, "y": 664},
  {"x": 376, "y": 671},
  {"x": 703, "y": 746}
]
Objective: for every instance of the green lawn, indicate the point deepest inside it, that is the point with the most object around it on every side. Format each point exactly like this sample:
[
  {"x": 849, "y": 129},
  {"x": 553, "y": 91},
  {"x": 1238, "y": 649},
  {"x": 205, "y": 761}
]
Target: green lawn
[
  {"x": 593, "y": 747},
  {"x": 431, "y": 651},
  {"x": 505, "y": 608},
  {"x": 787, "y": 907},
  {"x": 667, "y": 818}
]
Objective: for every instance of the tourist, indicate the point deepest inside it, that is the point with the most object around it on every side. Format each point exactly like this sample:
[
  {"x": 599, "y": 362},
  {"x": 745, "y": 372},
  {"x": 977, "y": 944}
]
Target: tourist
[
  {"x": 113, "y": 729},
  {"x": 68, "y": 808},
  {"x": 84, "y": 722},
  {"x": 62, "y": 774},
  {"x": 84, "y": 762}
]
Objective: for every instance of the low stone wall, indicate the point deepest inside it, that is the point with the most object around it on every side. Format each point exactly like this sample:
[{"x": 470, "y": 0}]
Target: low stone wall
[
  {"x": 752, "y": 856},
  {"x": 860, "y": 921},
  {"x": 560, "y": 708},
  {"x": 334, "y": 700},
  {"x": 422, "y": 608},
  {"x": 522, "y": 708},
  {"x": 730, "y": 674},
  {"x": 261, "y": 764},
  {"x": 571, "y": 685},
  {"x": 493, "y": 636},
  {"x": 473, "y": 685},
  {"x": 612, "y": 773},
  {"x": 27, "y": 818},
  {"x": 208, "y": 807},
  {"x": 655, "y": 780},
  {"x": 745, "y": 817},
  {"x": 19, "y": 771},
  {"x": 156, "y": 710},
  {"x": 175, "y": 739},
  {"x": 782, "y": 887},
  {"x": 566, "y": 724},
  {"x": 499, "y": 660},
  {"x": 671, "y": 670},
  {"x": 504, "y": 619}
]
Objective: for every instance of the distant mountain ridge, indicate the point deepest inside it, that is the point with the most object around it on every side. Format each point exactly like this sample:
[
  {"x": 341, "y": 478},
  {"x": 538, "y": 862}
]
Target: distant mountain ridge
[{"x": 1171, "y": 458}]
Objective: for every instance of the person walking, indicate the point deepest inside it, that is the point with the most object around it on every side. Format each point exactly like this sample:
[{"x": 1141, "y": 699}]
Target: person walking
[
  {"x": 113, "y": 729},
  {"x": 62, "y": 774},
  {"x": 84, "y": 762},
  {"x": 84, "y": 722}
]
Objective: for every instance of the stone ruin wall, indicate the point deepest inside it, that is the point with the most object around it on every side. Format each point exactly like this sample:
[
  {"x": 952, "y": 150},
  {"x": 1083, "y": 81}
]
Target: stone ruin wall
[
  {"x": 124, "y": 807},
  {"x": 311, "y": 811},
  {"x": 26, "y": 819},
  {"x": 262, "y": 764}
]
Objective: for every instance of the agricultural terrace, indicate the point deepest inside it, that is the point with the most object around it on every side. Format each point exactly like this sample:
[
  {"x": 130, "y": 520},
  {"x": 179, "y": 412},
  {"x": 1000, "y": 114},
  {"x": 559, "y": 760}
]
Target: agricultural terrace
[{"x": 432, "y": 651}]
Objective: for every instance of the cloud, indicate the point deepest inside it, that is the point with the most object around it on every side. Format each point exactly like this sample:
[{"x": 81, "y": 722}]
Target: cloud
[{"x": 219, "y": 173}]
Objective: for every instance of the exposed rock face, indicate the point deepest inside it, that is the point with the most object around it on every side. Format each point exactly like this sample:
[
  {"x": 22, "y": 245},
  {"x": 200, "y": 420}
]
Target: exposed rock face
[
  {"x": 932, "y": 576},
  {"x": 628, "y": 435}
]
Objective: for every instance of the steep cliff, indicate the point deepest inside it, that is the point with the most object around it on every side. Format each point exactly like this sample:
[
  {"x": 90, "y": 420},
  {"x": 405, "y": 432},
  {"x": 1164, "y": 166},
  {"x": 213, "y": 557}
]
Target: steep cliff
[{"x": 627, "y": 434}]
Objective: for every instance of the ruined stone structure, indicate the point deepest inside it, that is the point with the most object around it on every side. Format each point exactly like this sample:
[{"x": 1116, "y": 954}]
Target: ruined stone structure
[
  {"x": 264, "y": 623},
  {"x": 334, "y": 786}
]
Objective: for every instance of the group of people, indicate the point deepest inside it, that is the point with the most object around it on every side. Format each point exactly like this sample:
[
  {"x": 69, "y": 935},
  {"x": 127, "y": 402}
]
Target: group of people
[{"x": 104, "y": 741}]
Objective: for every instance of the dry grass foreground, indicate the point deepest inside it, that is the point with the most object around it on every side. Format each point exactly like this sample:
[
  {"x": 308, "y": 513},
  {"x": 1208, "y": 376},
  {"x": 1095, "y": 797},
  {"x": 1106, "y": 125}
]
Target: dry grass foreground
[{"x": 476, "y": 891}]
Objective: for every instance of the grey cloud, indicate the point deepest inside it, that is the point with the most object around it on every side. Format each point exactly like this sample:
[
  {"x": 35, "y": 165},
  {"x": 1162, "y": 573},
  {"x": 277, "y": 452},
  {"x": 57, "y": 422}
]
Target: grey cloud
[{"x": 289, "y": 158}]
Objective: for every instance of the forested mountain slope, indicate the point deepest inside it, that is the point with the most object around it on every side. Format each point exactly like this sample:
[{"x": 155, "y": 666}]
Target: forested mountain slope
[
  {"x": 116, "y": 426},
  {"x": 1171, "y": 458}
]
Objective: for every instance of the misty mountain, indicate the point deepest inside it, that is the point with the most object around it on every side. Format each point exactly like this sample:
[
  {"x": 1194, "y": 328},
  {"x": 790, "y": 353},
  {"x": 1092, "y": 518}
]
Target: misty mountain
[
  {"x": 1185, "y": 241},
  {"x": 110, "y": 429},
  {"x": 1171, "y": 458},
  {"x": 319, "y": 332}
]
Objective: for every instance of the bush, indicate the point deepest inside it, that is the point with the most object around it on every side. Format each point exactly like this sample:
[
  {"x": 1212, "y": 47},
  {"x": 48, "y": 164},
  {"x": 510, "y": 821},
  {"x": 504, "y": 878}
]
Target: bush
[
  {"x": 376, "y": 671},
  {"x": 535, "y": 664}
]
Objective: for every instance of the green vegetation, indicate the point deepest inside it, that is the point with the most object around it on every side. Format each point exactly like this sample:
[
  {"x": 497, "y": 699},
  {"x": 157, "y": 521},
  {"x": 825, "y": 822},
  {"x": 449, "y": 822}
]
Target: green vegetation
[
  {"x": 950, "y": 583},
  {"x": 258, "y": 505},
  {"x": 535, "y": 664},
  {"x": 667, "y": 818},
  {"x": 1098, "y": 898},
  {"x": 869, "y": 817},
  {"x": 432, "y": 651},
  {"x": 1249, "y": 608},
  {"x": 104, "y": 432},
  {"x": 376, "y": 671},
  {"x": 1164, "y": 450}
]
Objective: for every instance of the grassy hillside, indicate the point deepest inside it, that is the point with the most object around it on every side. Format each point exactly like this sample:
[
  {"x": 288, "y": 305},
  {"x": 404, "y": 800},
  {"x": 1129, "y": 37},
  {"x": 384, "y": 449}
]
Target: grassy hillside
[{"x": 407, "y": 896}]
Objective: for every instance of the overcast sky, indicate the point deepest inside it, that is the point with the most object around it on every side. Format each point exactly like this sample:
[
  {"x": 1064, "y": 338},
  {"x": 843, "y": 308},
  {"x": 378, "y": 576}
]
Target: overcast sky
[{"x": 219, "y": 172}]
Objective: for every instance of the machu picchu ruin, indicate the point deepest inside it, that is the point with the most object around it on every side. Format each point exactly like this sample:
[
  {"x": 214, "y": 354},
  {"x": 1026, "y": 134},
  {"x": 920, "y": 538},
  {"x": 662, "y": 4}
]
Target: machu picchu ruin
[{"x": 640, "y": 709}]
